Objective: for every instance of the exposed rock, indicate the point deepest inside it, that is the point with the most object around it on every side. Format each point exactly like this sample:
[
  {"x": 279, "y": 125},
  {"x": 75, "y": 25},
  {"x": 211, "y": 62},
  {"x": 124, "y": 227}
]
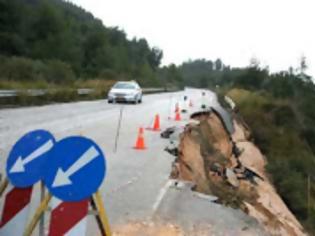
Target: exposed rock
[
  {"x": 191, "y": 163},
  {"x": 212, "y": 132},
  {"x": 231, "y": 177},
  {"x": 241, "y": 131},
  {"x": 252, "y": 158}
]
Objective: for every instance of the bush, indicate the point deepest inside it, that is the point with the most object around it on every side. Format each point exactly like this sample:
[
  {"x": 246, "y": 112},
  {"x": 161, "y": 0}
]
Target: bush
[
  {"x": 31, "y": 71},
  {"x": 309, "y": 135},
  {"x": 18, "y": 69},
  {"x": 59, "y": 72},
  {"x": 283, "y": 115},
  {"x": 253, "y": 78}
]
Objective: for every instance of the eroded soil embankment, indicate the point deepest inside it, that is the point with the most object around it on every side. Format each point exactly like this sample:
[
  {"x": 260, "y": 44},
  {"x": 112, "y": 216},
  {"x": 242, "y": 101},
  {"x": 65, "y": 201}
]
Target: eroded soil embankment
[{"x": 233, "y": 169}]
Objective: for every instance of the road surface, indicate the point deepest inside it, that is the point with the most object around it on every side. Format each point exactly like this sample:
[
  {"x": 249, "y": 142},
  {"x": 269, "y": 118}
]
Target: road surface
[{"x": 136, "y": 187}]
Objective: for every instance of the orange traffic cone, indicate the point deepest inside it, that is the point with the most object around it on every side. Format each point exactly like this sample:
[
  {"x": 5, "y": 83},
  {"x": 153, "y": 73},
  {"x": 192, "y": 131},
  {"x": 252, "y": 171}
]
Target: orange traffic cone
[
  {"x": 156, "y": 125},
  {"x": 176, "y": 107},
  {"x": 177, "y": 116},
  {"x": 140, "y": 140},
  {"x": 190, "y": 103}
]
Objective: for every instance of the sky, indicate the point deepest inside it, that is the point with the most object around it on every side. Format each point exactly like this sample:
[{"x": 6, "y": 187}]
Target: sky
[{"x": 277, "y": 32}]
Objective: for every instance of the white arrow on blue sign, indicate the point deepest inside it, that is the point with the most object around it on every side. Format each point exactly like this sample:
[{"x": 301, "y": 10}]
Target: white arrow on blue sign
[
  {"x": 76, "y": 169},
  {"x": 27, "y": 157}
]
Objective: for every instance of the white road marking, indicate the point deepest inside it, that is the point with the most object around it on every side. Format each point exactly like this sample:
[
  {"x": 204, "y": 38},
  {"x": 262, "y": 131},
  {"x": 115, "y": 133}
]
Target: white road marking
[{"x": 161, "y": 195}]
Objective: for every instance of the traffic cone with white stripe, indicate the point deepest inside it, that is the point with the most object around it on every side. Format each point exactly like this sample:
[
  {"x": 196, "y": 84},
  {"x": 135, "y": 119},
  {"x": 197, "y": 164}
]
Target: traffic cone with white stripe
[{"x": 140, "y": 145}]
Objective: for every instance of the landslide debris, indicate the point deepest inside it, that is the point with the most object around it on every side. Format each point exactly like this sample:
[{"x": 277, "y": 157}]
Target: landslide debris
[{"x": 233, "y": 169}]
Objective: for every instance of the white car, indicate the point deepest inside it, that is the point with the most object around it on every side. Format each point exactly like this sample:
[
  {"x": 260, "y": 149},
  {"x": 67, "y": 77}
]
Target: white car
[{"x": 125, "y": 91}]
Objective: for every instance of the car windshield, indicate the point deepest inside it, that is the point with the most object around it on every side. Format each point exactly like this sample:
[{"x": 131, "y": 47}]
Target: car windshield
[{"x": 124, "y": 86}]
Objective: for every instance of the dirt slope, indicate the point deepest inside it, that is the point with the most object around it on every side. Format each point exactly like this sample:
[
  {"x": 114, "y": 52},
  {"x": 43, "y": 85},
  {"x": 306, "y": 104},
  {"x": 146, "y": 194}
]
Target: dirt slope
[{"x": 233, "y": 169}]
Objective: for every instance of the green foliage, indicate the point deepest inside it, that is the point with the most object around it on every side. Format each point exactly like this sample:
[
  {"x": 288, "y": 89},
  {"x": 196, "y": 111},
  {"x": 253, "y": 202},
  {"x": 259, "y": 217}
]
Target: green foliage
[
  {"x": 218, "y": 64},
  {"x": 253, "y": 78},
  {"x": 309, "y": 135},
  {"x": 63, "y": 36},
  {"x": 198, "y": 73},
  {"x": 170, "y": 75},
  {"x": 59, "y": 72},
  {"x": 280, "y": 85},
  {"x": 24, "y": 69}
]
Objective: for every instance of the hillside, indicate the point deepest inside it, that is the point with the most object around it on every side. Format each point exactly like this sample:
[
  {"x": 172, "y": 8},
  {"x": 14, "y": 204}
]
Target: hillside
[{"x": 58, "y": 42}]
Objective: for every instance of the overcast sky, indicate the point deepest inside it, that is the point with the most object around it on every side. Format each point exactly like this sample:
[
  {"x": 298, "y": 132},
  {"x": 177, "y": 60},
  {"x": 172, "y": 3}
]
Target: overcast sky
[{"x": 277, "y": 32}]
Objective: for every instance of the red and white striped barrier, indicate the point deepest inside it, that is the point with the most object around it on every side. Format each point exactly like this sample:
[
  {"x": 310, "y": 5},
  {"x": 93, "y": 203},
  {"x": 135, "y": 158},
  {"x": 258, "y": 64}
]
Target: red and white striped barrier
[
  {"x": 15, "y": 211},
  {"x": 68, "y": 218}
]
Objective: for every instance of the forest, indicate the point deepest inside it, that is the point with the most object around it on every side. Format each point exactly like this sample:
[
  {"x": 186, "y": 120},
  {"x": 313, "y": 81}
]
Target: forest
[{"x": 57, "y": 42}]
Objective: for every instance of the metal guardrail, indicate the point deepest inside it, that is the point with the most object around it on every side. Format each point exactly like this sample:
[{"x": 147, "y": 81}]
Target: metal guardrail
[
  {"x": 153, "y": 90},
  {"x": 30, "y": 92},
  {"x": 8, "y": 93},
  {"x": 41, "y": 92}
]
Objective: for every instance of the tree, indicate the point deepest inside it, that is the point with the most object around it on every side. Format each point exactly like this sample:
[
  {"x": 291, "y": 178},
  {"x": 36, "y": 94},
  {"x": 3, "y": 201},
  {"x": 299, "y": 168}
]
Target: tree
[
  {"x": 218, "y": 64},
  {"x": 291, "y": 70},
  {"x": 173, "y": 74},
  {"x": 303, "y": 64},
  {"x": 254, "y": 62},
  {"x": 155, "y": 57}
]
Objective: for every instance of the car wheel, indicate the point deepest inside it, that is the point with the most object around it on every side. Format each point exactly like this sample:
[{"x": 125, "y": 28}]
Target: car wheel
[
  {"x": 109, "y": 101},
  {"x": 135, "y": 101}
]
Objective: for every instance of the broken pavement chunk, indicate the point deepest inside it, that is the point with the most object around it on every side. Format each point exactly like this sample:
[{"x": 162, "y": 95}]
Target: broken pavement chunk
[
  {"x": 172, "y": 132},
  {"x": 172, "y": 148},
  {"x": 207, "y": 197},
  {"x": 166, "y": 133},
  {"x": 231, "y": 177}
]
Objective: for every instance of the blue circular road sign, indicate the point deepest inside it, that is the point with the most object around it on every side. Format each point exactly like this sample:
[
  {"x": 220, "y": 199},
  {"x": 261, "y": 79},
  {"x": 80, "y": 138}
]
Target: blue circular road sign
[
  {"x": 75, "y": 170},
  {"x": 27, "y": 157}
]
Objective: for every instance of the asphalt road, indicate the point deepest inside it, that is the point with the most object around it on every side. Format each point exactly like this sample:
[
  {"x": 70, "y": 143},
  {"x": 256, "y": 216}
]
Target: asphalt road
[{"x": 136, "y": 184}]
